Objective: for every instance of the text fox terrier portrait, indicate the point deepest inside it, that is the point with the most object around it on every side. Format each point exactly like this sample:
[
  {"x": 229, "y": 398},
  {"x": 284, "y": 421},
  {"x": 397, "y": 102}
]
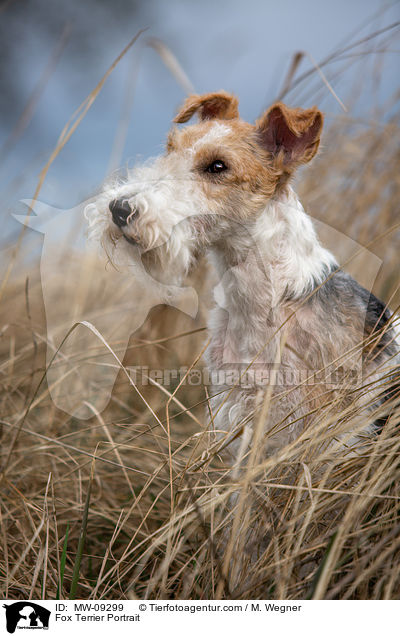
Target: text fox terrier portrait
[{"x": 284, "y": 309}]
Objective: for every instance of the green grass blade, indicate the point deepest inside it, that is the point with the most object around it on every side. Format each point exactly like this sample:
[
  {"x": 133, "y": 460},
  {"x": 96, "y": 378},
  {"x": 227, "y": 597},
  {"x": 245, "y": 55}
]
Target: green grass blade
[
  {"x": 321, "y": 567},
  {"x": 81, "y": 542},
  {"x": 62, "y": 565}
]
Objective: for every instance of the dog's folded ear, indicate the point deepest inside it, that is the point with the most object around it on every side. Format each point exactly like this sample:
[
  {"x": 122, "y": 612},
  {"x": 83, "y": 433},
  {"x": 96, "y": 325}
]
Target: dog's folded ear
[
  {"x": 292, "y": 134},
  {"x": 219, "y": 105}
]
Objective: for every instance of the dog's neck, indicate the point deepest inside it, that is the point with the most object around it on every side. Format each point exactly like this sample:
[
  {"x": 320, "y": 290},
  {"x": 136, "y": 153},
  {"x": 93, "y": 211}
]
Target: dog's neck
[{"x": 276, "y": 257}]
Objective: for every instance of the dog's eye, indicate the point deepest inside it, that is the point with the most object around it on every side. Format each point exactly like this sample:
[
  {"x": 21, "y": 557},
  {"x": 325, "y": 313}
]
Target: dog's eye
[{"x": 216, "y": 166}]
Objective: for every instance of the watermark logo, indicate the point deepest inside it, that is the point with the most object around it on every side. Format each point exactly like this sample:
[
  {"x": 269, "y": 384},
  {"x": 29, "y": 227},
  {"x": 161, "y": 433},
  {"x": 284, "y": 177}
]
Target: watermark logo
[
  {"x": 110, "y": 303},
  {"x": 78, "y": 285},
  {"x": 26, "y": 615}
]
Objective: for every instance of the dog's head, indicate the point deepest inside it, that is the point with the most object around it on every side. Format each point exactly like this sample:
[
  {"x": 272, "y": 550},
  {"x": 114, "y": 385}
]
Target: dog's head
[{"x": 216, "y": 173}]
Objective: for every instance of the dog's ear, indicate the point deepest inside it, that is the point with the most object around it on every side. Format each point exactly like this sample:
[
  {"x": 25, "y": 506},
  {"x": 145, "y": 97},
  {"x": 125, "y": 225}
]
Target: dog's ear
[
  {"x": 292, "y": 133},
  {"x": 219, "y": 105}
]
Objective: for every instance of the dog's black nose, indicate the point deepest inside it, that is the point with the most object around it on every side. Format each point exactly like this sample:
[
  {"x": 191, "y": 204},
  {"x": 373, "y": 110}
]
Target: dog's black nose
[{"x": 120, "y": 210}]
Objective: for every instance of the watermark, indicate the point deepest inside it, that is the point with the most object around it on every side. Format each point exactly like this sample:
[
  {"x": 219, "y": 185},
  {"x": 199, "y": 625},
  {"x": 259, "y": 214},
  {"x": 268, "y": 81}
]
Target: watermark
[
  {"x": 258, "y": 375},
  {"x": 83, "y": 617},
  {"x": 26, "y": 615}
]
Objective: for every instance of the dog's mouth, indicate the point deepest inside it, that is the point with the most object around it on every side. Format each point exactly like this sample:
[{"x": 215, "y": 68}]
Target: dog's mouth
[{"x": 130, "y": 240}]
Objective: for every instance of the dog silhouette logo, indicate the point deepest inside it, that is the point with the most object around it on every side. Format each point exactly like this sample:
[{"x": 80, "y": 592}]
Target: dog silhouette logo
[
  {"x": 85, "y": 383},
  {"x": 26, "y": 615}
]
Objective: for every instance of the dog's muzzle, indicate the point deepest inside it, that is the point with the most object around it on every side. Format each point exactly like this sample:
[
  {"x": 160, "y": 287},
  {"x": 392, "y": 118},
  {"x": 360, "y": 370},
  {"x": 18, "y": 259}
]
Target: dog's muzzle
[{"x": 121, "y": 210}]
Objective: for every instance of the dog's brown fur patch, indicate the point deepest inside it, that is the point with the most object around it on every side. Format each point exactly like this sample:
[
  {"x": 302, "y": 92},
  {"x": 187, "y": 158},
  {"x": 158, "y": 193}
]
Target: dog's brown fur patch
[
  {"x": 261, "y": 157},
  {"x": 219, "y": 105}
]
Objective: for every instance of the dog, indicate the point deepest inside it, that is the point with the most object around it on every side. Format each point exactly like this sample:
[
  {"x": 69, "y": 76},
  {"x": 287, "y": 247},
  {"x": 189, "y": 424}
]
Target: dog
[{"x": 285, "y": 311}]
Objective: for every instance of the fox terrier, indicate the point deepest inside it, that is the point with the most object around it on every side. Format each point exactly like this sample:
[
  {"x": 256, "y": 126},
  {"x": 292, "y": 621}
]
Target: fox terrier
[{"x": 285, "y": 311}]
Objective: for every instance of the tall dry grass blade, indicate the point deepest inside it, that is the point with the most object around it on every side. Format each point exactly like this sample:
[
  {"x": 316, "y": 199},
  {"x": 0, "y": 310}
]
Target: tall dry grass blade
[
  {"x": 294, "y": 65},
  {"x": 325, "y": 81},
  {"x": 30, "y": 107},
  {"x": 171, "y": 63},
  {"x": 127, "y": 102},
  {"x": 39, "y": 562},
  {"x": 339, "y": 52},
  {"x": 170, "y": 399}
]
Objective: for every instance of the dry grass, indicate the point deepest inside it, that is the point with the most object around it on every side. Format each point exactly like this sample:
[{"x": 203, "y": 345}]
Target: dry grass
[{"x": 150, "y": 489}]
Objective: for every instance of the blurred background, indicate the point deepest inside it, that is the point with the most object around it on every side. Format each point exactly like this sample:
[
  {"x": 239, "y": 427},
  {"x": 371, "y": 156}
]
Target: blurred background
[{"x": 54, "y": 53}]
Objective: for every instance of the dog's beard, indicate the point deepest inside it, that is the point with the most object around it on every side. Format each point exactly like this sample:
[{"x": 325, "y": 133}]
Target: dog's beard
[{"x": 168, "y": 262}]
